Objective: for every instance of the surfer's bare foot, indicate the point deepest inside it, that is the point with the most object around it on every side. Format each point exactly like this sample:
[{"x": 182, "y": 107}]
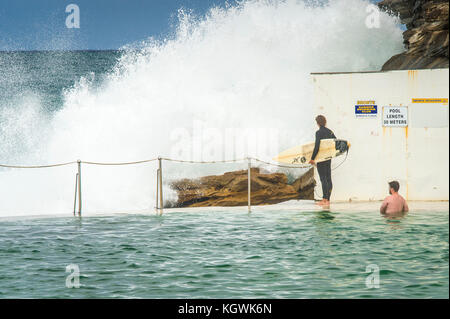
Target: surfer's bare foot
[
  {"x": 320, "y": 203},
  {"x": 325, "y": 203}
]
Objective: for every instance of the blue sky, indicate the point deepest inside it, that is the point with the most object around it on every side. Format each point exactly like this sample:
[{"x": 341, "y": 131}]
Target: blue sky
[{"x": 104, "y": 24}]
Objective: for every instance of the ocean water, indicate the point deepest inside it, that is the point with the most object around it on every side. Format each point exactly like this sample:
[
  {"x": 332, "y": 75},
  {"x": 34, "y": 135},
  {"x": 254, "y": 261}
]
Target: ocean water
[{"x": 229, "y": 253}]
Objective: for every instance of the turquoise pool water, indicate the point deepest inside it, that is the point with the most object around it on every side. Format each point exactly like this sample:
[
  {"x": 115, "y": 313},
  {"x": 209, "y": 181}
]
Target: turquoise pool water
[{"x": 272, "y": 253}]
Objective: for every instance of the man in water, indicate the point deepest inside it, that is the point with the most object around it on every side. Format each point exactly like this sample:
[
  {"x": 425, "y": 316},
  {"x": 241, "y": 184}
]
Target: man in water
[
  {"x": 395, "y": 203},
  {"x": 323, "y": 168}
]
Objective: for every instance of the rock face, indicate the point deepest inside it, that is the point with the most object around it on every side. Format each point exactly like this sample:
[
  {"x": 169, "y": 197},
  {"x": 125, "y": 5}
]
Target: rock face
[
  {"x": 426, "y": 37},
  {"x": 230, "y": 189}
]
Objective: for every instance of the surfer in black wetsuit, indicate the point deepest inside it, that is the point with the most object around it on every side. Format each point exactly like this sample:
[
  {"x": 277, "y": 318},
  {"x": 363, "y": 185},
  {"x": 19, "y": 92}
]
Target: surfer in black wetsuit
[{"x": 323, "y": 168}]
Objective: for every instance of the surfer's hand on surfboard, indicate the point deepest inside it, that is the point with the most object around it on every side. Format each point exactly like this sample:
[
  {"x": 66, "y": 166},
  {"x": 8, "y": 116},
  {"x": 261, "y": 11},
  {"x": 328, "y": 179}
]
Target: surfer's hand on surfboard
[{"x": 312, "y": 162}]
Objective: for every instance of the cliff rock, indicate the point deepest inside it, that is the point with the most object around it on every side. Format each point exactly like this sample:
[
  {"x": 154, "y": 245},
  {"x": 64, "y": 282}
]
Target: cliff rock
[
  {"x": 426, "y": 37},
  {"x": 230, "y": 189}
]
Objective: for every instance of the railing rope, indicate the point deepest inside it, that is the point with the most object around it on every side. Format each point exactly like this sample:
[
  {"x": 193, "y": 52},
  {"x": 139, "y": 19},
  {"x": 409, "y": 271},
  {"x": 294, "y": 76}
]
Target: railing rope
[
  {"x": 37, "y": 166},
  {"x": 159, "y": 175},
  {"x": 204, "y": 162},
  {"x": 155, "y": 159},
  {"x": 283, "y": 166},
  {"x": 121, "y": 163}
]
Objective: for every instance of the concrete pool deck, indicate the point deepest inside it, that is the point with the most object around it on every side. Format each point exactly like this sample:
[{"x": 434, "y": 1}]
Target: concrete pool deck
[
  {"x": 309, "y": 205},
  {"x": 293, "y": 205}
]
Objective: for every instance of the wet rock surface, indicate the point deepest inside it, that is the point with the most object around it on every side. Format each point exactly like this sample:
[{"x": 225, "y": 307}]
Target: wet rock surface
[
  {"x": 231, "y": 189},
  {"x": 426, "y": 37}
]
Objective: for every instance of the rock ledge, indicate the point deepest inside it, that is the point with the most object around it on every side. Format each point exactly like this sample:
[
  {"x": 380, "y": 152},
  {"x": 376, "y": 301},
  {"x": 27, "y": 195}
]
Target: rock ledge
[
  {"x": 230, "y": 189},
  {"x": 426, "y": 37}
]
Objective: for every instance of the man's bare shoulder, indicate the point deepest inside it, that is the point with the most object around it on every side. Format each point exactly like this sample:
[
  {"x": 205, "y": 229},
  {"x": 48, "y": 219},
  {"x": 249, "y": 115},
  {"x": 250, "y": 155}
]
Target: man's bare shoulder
[{"x": 403, "y": 199}]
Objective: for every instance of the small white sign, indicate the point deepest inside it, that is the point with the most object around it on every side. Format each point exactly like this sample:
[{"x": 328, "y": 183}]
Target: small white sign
[{"x": 395, "y": 116}]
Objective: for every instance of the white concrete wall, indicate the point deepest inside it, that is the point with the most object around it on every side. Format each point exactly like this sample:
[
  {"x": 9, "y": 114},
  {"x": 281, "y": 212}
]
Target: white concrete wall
[{"x": 416, "y": 156}]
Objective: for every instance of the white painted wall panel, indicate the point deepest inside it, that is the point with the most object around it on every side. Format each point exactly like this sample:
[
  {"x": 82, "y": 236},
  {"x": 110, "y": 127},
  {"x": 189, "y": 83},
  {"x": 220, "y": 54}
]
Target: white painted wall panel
[{"x": 417, "y": 156}]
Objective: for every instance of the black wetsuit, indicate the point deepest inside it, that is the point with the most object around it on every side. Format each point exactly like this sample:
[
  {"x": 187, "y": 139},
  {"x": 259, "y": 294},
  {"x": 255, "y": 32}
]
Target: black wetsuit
[{"x": 324, "y": 168}]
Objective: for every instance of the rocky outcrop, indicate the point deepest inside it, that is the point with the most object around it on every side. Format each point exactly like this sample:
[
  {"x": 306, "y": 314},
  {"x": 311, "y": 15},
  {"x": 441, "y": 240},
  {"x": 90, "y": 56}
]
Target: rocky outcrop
[
  {"x": 231, "y": 189},
  {"x": 426, "y": 37}
]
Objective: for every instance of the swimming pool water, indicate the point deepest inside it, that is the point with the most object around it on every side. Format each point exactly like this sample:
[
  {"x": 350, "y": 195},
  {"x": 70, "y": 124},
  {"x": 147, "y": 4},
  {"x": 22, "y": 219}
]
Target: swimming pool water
[{"x": 220, "y": 253}]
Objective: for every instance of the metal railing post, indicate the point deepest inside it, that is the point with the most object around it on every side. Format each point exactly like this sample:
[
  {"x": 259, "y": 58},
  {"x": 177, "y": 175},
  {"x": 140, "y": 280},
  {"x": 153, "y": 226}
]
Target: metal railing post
[
  {"x": 76, "y": 193},
  {"x": 249, "y": 185},
  {"x": 79, "y": 187},
  {"x": 161, "y": 202},
  {"x": 157, "y": 189}
]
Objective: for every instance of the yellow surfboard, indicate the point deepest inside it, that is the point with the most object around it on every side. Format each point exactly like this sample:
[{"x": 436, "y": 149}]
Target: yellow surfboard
[{"x": 301, "y": 154}]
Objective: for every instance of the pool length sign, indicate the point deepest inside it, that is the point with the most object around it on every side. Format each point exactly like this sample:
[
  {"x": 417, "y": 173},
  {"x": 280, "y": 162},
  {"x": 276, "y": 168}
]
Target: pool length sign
[{"x": 395, "y": 116}]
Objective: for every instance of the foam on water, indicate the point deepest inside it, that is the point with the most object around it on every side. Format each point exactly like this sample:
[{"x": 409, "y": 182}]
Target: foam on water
[{"x": 237, "y": 73}]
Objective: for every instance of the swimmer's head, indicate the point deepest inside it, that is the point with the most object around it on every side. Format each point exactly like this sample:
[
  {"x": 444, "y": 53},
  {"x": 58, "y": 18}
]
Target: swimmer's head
[{"x": 394, "y": 186}]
